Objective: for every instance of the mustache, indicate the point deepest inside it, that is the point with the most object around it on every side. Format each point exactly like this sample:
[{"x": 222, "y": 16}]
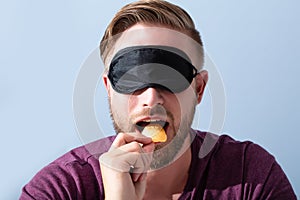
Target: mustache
[{"x": 156, "y": 110}]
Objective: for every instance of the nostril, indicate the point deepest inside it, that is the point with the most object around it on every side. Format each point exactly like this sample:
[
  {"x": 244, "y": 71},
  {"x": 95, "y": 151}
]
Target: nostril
[{"x": 151, "y": 96}]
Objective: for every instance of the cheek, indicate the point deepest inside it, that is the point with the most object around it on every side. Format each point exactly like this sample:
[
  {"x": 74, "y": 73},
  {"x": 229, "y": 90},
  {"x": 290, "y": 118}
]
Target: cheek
[
  {"x": 123, "y": 104},
  {"x": 119, "y": 103},
  {"x": 131, "y": 103},
  {"x": 187, "y": 100}
]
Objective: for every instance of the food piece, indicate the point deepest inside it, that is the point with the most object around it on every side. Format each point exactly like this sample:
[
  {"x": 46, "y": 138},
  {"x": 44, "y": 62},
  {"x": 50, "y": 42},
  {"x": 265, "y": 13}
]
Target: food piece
[{"x": 156, "y": 132}]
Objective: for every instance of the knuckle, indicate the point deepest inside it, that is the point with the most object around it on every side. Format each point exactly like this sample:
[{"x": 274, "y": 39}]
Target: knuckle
[
  {"x": 136, "y": 146},
  {"x": 121, "y": 135}
]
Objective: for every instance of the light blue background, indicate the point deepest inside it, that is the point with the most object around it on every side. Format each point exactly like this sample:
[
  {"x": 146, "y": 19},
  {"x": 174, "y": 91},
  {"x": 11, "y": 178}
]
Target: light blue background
[{"x": 255, "y": 45}]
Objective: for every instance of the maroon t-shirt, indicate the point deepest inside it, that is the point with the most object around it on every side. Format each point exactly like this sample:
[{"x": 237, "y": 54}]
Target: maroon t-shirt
[{"x": 221, "y": 168}]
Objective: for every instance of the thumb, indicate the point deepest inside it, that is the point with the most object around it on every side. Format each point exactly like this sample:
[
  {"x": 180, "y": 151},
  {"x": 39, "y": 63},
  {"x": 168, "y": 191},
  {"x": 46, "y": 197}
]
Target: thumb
[{"x": 149, "y": 148}]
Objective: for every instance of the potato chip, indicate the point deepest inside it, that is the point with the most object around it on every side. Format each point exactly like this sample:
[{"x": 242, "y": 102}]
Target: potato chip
[{"x": 156, "y": 132}]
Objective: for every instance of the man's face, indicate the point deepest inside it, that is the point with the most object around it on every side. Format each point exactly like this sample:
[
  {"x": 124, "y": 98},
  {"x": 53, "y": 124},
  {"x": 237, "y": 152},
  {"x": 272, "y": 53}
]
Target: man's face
[
  {"x": 174, "y": 111},
  {"x": 150, "y": 105}
]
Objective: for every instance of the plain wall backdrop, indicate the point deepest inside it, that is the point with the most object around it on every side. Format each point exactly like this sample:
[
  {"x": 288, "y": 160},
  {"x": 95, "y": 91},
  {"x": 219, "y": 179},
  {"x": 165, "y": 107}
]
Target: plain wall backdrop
[{"x": 254, "y": 44}]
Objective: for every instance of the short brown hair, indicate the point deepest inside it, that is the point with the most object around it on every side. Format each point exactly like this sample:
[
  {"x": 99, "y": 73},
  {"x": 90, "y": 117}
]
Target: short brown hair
[{"x": 154, "y": 12}]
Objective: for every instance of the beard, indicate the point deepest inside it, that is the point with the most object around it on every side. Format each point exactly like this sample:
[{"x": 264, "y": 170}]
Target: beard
[
  {"x": 164, "y": 154},
  {"x": 167, "y": 154}
]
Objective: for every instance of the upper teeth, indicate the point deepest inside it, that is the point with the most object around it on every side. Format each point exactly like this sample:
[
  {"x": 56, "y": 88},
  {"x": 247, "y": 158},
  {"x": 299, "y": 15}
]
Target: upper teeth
[{"x": 151, "y": 120}]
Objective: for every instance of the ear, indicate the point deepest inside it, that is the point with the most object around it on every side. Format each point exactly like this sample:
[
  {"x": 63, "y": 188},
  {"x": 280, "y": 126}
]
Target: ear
[
  {"x": 106, "y": 84},
  {"x": 201, "y": 80}
]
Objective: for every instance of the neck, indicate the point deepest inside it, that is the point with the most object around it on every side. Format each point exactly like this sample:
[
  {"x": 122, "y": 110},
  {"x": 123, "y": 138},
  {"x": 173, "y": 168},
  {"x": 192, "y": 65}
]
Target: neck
[{"x": 170, "y": 180}]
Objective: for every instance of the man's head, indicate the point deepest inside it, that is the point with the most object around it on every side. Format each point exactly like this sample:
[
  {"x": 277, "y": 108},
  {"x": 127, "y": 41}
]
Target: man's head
[{"x": 153, "y": 57}]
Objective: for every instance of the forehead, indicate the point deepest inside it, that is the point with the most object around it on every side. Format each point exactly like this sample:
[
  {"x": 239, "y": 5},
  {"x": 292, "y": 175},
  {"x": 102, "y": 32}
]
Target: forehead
[{"x": 152, "y": 35}]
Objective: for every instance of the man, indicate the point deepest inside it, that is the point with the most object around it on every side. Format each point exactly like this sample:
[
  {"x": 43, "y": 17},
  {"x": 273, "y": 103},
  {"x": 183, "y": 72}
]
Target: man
[{"x": 153, "y": 58}]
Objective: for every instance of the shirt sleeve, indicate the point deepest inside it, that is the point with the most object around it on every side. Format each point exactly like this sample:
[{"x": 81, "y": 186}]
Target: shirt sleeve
[
  {"x": 75, "y": 175},
  {"x": 270, "y": 180},
  {"x": 277, "y": 185},
  {"x": 52, "y": 182},
  {"x": 69, "y": 181}
]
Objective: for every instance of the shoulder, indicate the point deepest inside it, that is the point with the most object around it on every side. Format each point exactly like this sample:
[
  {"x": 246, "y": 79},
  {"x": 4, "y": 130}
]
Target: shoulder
[
  {"x": 85, "y": 153},
  {"x": 224, "y": 145},
  {"x": 73, "y": 174},
  {"x": 238, "y": 169},
  {"x": 234, "y": 156}
]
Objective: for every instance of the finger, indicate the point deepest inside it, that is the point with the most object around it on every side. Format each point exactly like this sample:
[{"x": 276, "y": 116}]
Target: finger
[
  {"x": 135, "y": 176},
  {"x": 132, "y": 147},
  {"x": 124, "y": 138},
  {"x": 144, "y": 159},
  {"x": 142, "y": 177},
  {"x": 139, "y": 170},
  {"x": 131, "y": 154},
  {"x": 149, "y": 148},
  {"x": 119, "y": 160},
  {"x": 122, "y": 158}
]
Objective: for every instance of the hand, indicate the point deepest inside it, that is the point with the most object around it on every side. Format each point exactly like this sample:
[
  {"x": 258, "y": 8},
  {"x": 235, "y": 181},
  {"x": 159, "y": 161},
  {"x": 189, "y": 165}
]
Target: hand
[{"x": 124, "y": 167}]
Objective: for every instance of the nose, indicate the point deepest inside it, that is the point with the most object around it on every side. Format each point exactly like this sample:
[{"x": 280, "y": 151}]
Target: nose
[{"x": 150, "y": 97}]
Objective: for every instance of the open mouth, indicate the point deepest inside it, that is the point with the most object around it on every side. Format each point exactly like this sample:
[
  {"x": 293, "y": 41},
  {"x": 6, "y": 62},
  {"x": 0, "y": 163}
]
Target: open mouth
[{"x": 142, "y": 124}]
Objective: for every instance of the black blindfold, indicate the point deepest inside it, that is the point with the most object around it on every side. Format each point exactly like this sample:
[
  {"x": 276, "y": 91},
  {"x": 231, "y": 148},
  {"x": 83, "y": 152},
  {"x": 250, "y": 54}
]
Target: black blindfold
[{"x": 139, "y": 67}]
